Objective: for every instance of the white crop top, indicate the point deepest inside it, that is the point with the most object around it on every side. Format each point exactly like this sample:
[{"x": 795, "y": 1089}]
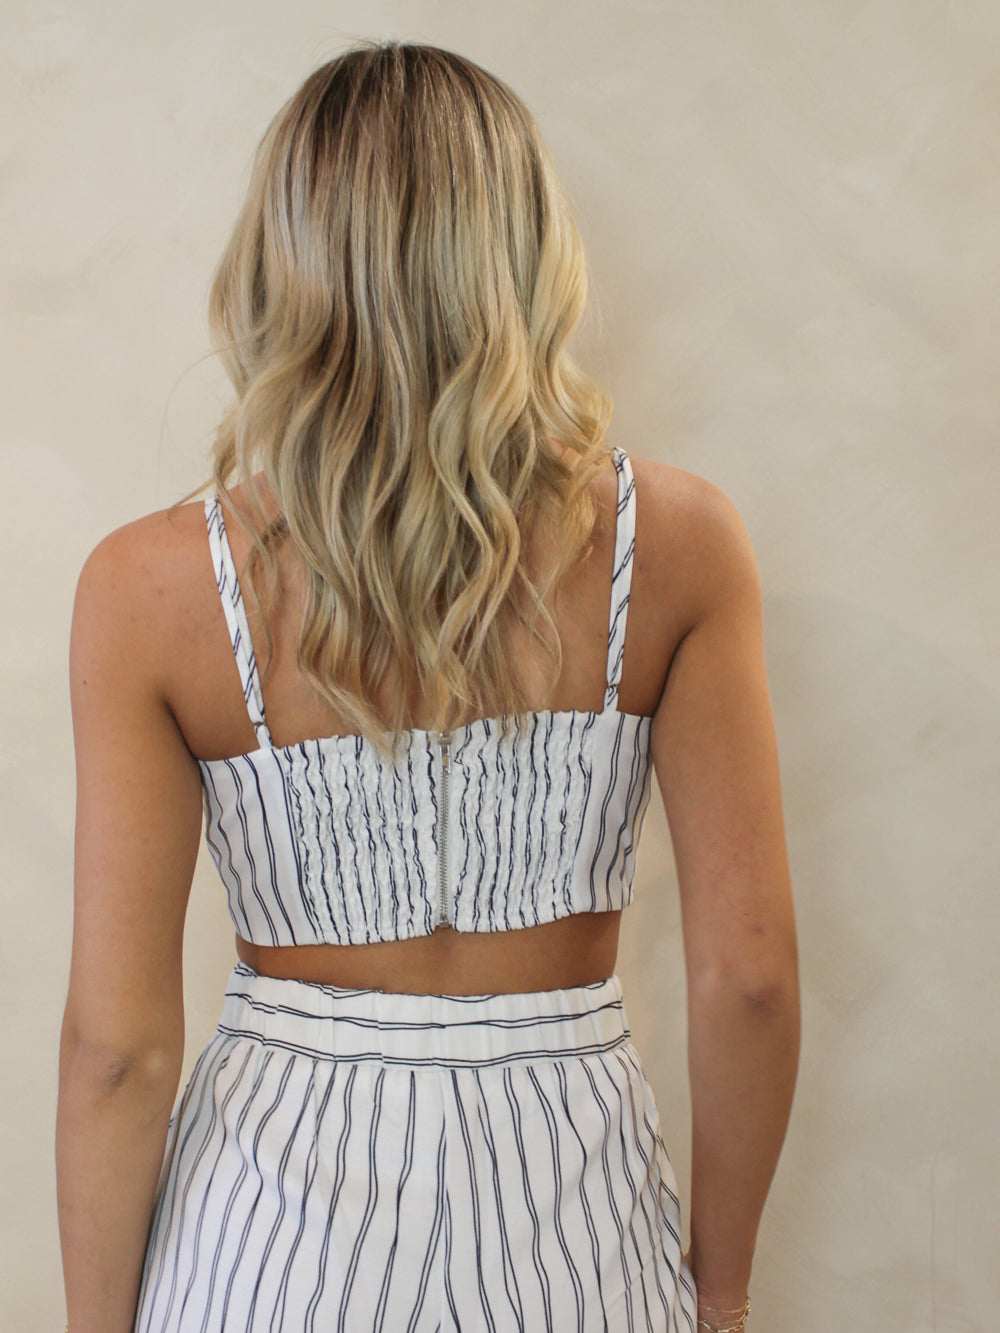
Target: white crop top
[{"x": 326, "y": 842}]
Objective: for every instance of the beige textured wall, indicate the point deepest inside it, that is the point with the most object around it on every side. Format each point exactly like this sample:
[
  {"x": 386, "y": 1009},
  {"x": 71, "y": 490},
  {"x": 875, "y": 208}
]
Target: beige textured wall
[{"x": 791, "y": 209}]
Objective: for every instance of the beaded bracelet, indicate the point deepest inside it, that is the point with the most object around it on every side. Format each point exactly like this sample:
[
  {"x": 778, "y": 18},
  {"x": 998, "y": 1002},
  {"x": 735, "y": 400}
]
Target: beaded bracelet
[{"x": 740, "y": 1316}]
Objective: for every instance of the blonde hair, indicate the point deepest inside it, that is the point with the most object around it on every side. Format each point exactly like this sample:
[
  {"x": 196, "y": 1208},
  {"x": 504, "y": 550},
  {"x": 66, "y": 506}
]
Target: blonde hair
[{"x": 392, "y": 309}]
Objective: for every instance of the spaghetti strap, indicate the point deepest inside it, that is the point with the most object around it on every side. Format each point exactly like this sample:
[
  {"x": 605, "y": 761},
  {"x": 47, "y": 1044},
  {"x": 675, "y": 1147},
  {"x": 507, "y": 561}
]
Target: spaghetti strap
[
  {"x": 621, "y": 580},
  {"x": 236, "y": 619}
]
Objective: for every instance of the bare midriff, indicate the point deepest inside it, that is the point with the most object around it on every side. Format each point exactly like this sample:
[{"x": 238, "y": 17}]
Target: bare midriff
[{"x": 573, "y": 951}]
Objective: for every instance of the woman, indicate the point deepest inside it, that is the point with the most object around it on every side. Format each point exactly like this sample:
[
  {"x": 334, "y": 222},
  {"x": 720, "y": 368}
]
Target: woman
[{"x": 421, "y": 1108}]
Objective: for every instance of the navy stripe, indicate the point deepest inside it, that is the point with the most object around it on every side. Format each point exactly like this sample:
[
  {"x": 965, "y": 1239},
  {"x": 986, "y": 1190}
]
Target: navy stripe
[
  {"x": 449, "y": 1290},
  {"x": 648, "y": 1210},
  {"x": 379, "y": 1023},
  {"x": 408, "y": 1155},
  {"x": 477, "y": 1227},
  {"x": 522, "y": 1164},
  {"x": 585, "y": 1206},
  {"x": 440, "y": 1205},
  {"x": 551, "y": 1124},
  {"x": 615, "y": 1089},
  {"x": 311, "y": 930},
  {"x": 244, "y": 822},
  {"x": 612, "y": 1209},
  {"x": 370, "y": 1205},
  {"x": 218, "y": 837},
  {"x": 603, "y": 822},
  {"x": 508, "y": 1260},
  {"x": 446, "y": 1062},
  {"x": 271, "y": 861},
  {"x": 236, "y": 618},
  {"x": 339, "y": 1177}
]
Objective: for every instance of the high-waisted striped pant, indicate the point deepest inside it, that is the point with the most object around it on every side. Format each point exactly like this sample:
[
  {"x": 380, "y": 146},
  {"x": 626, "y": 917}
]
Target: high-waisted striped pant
[{"x": 359, "y": 1160}]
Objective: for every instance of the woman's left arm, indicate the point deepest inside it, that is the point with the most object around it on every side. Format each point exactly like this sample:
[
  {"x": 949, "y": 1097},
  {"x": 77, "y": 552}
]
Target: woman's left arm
[{"x": 138, "y": 823}]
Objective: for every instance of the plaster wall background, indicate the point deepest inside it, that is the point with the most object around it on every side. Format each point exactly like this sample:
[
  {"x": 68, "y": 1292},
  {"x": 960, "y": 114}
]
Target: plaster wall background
[{"x": 791, "y": 216}]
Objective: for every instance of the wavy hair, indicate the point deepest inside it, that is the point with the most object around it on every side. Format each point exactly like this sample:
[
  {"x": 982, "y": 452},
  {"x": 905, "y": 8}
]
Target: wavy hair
[{"x": 392, "y": 309}]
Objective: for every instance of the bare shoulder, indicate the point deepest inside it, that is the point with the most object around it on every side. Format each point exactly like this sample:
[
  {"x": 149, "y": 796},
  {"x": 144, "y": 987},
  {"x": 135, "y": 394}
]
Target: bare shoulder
[
  {"x": 153, "y": 543},
  {"x": 137, "y": 583},
  {"x": 691, "y": 543}
]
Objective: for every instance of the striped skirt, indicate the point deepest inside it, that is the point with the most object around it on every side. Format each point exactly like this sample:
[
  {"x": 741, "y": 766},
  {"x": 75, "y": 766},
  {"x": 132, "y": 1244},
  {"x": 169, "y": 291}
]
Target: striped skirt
[{"x": 358, "y": 1160}]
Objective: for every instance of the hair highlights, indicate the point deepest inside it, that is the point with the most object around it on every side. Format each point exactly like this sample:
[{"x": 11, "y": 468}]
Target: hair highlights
[{"x": 392, "y": 309}]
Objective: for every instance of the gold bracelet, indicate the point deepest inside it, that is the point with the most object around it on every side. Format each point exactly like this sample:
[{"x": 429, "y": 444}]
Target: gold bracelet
[{"x": 737, "y": 1327}]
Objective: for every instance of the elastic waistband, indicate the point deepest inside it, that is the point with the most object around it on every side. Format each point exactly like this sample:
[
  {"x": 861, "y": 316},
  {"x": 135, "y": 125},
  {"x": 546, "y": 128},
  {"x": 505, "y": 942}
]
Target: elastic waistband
[{"x": 332, "y": 1022}]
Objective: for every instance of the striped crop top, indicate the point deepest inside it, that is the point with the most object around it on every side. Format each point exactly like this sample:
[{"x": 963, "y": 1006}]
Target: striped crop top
[{"x": 326, "y": 842}]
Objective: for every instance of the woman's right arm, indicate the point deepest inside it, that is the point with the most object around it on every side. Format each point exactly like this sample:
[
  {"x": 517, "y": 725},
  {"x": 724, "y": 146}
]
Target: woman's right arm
[
  {"x": 138, "y": 823},
  {"x": 716, "y": 762}
]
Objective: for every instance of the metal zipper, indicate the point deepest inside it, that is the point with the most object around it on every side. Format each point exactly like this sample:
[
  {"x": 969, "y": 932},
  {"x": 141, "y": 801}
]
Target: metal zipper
[{"x": 444, "y": 739}]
